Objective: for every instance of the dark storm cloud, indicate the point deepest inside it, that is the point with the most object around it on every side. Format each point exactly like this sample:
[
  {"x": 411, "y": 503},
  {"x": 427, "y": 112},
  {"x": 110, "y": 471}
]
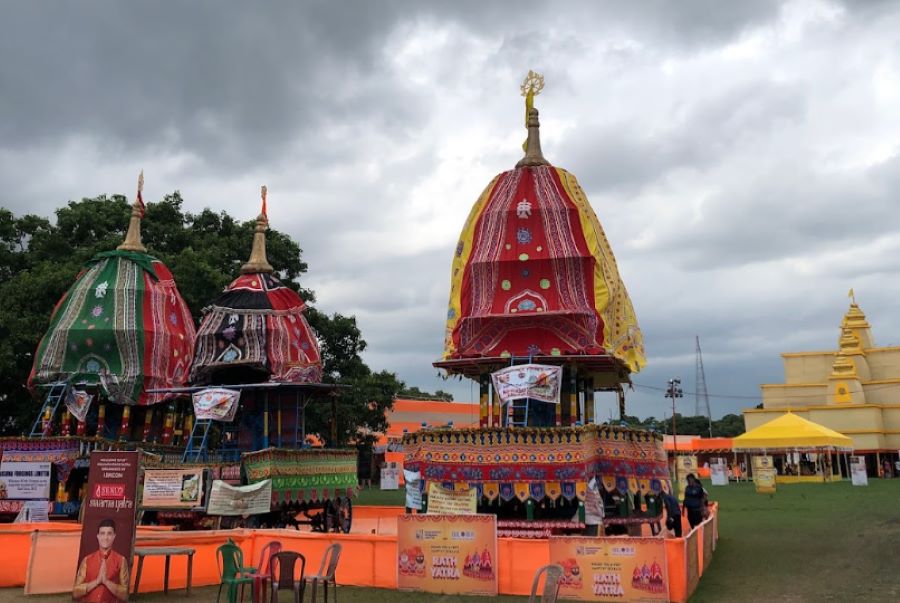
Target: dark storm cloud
[{"x": 232, "y": 82}]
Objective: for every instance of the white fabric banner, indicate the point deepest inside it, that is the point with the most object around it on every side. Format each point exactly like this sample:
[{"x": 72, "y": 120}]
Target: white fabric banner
[
  {"x": 216, "y": 403},
  {"x": 413, "y": 489},
  {"x": 535, "y": 381},
  {"x": 254, "y": 499}
]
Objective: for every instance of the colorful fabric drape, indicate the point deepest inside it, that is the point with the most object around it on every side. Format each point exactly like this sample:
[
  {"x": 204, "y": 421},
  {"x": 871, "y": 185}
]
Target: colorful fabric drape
[
  {"x": 257, "y": 323},
  {"x": 123, "y": 320},
  {"x": 299, "y": 475},
  {"x": 534, "y": 274}
]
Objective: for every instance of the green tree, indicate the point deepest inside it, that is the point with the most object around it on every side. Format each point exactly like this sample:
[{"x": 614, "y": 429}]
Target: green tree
[
  {"x": 39, "y": 261},
  {"x": 417, "y": 394}
]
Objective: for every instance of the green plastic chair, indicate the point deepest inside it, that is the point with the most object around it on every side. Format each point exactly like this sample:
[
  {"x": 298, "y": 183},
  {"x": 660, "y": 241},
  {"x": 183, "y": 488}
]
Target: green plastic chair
[{"x": 230, "y": 561}]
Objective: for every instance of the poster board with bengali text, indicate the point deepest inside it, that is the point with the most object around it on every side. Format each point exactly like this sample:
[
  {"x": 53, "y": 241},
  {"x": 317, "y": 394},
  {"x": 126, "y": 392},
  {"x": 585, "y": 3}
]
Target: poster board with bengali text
[
  {"x": 173, "y": 488},
  {"x": 449, "y": 554},
  {"x": 442, "y": 501},
  {"x": 611, "y": 569}
]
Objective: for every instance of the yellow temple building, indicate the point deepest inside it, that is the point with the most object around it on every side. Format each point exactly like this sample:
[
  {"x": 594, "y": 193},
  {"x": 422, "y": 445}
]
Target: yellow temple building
[{"x": 854, "y": 390}]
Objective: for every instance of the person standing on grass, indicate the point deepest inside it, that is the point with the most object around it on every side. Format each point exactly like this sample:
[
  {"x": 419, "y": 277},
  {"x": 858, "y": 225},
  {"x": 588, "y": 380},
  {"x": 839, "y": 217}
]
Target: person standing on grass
[
  {"x": 673, "y": 513},
  {"x": 695, "y": 501}
]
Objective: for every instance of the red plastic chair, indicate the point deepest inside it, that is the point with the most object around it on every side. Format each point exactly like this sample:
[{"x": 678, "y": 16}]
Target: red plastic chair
[
  {"x": 264, "y": 571},
  {"x": 284, "y": 575}
]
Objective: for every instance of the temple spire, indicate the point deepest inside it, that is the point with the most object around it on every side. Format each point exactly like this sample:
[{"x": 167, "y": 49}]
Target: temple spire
[
  {"x": 132, "y": 240},
  {"x": 258, "y": 261},
  {"x": 531, "y": 87}
]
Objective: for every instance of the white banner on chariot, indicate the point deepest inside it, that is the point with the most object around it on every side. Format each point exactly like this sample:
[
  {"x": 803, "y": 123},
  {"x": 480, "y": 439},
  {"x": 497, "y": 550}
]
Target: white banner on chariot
[
  {"x": 216, "y": 403},
  {"x": 533, "y": 381}
]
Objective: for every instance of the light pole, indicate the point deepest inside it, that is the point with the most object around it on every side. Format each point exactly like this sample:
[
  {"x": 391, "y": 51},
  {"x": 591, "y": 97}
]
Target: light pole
[{"x": 674, "y": 391}]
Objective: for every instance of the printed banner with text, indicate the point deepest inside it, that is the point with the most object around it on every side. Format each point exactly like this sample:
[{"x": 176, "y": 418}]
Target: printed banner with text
[
  {"x": 107, "y": 532},
  {"x": 172, "y": 488},
  {"x": 450, "y": 554},
  {"x": 25, "y": 481},
  {"x": 442, "y": 501},
  {"x": 611, "y": 569},
  {"x": 535, "y": 381},
  {"x": 254, "y": 499},
  {"x": 216, "y": 403}
]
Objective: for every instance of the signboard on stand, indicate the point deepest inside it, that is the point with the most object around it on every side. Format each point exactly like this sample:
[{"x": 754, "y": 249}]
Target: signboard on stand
[
  {"x": 25, "y": 481},
  {"x": 390, "y": 477},
  {"x": 718, "y": 472},
  {"x": 764, "y": 474},
  {"x": 611, "y": 569},
  {"x": 858, "y": 474},
  {"x": 107, "y": 534},
  {"x": 449, "y": 554}
]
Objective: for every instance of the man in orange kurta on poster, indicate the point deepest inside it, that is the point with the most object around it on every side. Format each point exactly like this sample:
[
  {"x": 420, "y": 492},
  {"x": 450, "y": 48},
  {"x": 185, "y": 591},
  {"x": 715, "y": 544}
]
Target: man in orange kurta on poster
[{"x": 102, "y": 575}]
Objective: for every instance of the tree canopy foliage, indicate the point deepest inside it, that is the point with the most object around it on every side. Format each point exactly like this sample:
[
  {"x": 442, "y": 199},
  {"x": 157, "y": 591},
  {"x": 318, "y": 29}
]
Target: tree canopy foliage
[
  {"x": 39, "y": 260},
  {"x": 415, "y": 393},
  {"x": 728, "y": 426}
]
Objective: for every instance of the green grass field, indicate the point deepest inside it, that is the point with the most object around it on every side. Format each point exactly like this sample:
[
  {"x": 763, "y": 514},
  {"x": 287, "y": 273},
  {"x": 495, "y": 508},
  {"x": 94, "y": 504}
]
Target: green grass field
[{"x": 807, "y": 542}]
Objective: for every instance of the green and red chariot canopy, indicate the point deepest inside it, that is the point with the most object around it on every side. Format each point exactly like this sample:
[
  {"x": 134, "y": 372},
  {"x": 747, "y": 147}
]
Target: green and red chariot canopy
[{"x": 122, "y": 326}]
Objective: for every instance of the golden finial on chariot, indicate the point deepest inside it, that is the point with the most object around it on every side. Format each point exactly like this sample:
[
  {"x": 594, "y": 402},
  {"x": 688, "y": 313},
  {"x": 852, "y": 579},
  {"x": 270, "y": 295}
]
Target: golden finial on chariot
[{"x": 533, "y": 84}]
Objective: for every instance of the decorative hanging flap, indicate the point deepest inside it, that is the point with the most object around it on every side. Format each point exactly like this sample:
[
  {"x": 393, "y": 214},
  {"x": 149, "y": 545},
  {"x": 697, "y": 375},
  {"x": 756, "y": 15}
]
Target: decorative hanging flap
[
  {"x": 507, "y": 492},
  {"x": 522, "y": 491},
  {"x": 537, "y": 490},
  {"x": 568, "y": 490},
  {"x": 553, "y": 490},
  {"x": 218, "y": 404},
  {"x": 491, "y": 490},
  {"x": 534, "y": 381},
  {"x": 78, "y": 402}
]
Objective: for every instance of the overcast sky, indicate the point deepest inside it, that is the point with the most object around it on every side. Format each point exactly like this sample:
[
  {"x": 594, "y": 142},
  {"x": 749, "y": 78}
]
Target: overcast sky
[{"x": 742, "y": 156}]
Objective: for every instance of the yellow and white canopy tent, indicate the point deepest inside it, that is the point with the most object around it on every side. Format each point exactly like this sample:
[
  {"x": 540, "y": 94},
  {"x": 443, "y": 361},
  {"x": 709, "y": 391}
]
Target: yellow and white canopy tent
[{"x": 792, "y": 435}]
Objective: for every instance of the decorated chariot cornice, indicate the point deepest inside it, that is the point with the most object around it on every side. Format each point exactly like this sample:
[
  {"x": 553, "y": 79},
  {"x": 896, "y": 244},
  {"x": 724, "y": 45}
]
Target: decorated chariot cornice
[
  {"x": 132, "y": 240},
  {"x": 498, "y": 435},
  {"x": 258, "y": 262}
]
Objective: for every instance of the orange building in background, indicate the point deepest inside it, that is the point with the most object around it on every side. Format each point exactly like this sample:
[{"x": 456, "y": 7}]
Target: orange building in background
[{"x": 407, "y": 416}]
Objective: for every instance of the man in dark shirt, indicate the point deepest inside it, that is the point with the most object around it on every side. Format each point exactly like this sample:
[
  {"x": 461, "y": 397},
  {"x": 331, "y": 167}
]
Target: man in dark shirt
[{"x": 673, "y": 513}]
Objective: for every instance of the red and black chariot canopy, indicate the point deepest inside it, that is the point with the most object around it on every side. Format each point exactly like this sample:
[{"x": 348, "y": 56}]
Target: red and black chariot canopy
[{"x": 255, "y": 330}]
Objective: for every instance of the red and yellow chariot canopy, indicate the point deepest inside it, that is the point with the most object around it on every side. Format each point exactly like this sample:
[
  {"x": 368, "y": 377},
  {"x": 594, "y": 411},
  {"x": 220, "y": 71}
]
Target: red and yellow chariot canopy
[{"x": 534, "y": 274}]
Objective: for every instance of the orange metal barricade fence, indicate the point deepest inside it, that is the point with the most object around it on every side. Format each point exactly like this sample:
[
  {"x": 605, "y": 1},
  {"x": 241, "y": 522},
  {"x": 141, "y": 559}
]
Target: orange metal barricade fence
[{"x": 44, "y": 555}]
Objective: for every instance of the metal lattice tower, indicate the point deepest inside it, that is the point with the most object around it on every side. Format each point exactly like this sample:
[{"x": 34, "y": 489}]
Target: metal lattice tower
[{"x": 701, "y": 395}]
